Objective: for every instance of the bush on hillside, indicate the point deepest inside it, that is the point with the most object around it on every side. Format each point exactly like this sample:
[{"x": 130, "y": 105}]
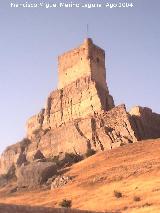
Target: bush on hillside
[
  {"x": 90, "y": 152},
  {"x": 117, "y": 194},
  {"x": 65, "y": 203}
]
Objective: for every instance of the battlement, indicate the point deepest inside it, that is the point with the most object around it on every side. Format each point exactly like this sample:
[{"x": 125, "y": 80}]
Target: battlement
[{"x": 86, "y": 60}]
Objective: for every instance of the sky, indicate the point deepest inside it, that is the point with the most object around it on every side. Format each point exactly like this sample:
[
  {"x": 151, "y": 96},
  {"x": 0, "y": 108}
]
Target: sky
[{"x": 32, "y": 38}]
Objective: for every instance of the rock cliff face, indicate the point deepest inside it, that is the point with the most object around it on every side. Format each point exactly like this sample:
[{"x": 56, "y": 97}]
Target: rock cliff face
[
  {"x": 35, "y": 174},
  {"x": 80, "y": 115},
  {"x": 14, "y": 155},
  {"x": 146, "y": 123},
  {"x": 78, "y": 99},
  {"x": 103, "y": 130}
]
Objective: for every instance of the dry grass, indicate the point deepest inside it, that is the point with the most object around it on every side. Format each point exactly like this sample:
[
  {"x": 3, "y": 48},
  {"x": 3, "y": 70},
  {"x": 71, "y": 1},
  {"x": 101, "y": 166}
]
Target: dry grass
[{"x": 133, "y": 170}]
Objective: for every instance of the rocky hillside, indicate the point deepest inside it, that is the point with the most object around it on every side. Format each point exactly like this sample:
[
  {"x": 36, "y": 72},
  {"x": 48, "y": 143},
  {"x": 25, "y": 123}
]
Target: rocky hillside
[{"x": 125, "y": 179}]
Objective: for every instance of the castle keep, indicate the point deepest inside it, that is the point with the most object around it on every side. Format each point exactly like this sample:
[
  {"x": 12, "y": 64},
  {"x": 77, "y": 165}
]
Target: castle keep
[
  {"x": 82, "y": 88},
  {"x": 80, "y": 115}
]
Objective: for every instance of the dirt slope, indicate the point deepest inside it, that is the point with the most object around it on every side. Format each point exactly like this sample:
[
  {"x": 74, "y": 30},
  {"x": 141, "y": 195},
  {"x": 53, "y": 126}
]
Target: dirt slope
[
  {"x": 8, "y": 208},
  {"x": 133, "y": 170}
]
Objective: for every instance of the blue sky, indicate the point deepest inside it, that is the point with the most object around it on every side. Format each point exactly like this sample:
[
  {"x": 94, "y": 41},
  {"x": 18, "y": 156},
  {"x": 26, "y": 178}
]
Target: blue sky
[{"x": 32, "y": 38}]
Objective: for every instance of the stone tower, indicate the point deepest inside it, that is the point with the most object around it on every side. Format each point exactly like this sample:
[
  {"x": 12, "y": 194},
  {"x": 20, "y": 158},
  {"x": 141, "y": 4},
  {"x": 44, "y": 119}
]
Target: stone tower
[
  {"x": 84, "y": 61},
  {"x": 82, "y": 88}
]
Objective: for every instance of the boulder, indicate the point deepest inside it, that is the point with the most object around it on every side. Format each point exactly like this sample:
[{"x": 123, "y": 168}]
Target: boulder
[
  {"x": 3, "y": 180},
  {"x": 35, "y": 174},
  {"x": 14, "y": 155}
]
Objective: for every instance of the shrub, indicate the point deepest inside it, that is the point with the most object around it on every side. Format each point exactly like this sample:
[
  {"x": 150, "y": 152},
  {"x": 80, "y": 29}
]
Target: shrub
[
  {"x": 136, "y": 198},
  {"x": 65, "y": 203},
  {"x": 90, "y": 152},
  {"x": 68, "y": 159},
  {"x": 55, "y": 159},
  {"x": 71, "y": 158},
  {"x": 117, "y": 194}
]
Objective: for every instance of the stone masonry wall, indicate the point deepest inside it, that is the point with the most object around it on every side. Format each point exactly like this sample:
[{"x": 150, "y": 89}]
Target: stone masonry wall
[{"x": 86, "y": 60}]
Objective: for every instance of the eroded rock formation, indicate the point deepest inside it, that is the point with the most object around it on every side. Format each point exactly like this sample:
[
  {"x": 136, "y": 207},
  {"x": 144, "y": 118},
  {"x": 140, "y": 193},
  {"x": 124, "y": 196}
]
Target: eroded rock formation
[{"x": 35, "y": 174}]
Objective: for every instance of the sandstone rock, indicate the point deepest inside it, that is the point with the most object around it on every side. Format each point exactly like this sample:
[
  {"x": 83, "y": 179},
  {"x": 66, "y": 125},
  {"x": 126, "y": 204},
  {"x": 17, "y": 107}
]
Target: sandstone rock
[
  {"x": 104, "y": 130},
  {"x": 146, "y": 123},
  {"x": 35, "y": 174},
  {"x": 14, "y": 155},
  {"x": 21, "y": 159},
  {"x": 3, "y": 180}
]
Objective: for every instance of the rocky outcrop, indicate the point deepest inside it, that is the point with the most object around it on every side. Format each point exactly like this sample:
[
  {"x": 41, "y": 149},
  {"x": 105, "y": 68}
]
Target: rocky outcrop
[
  {"x": 146, "y": 123},
  {"x": 77, "y": 100},
  {"x": 14, "y": 155},
  {"x": 3, "y": 180},
  {"x": 35, "y": 174},
  {"x": 103, "y": 130}
]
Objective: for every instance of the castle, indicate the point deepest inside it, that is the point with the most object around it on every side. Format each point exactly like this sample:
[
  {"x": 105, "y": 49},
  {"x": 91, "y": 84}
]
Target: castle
[
  {"x": 80, "y": 115},
  {"x": 82, "y": 88}
]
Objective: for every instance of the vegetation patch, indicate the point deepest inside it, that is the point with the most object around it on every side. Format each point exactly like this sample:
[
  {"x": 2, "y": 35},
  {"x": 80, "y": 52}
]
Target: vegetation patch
[
  {"x": 65, "y": 203},
  {"x": 90, "y": 152},
  {"x": 117, "y": 194},
  {"x": 136, "y": 198}
]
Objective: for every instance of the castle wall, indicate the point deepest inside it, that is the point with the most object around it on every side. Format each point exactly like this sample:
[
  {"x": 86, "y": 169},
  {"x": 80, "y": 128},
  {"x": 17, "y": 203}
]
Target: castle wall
[
  {"x": 86, "y": 60},
  {"x": 73, "y": 65},
  {"x": 98, "y": 70}
]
